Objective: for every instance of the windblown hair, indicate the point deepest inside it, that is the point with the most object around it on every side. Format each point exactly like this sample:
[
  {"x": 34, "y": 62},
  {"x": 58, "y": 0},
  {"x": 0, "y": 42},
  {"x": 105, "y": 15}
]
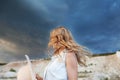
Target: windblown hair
[{"x": 61, "y": 37}]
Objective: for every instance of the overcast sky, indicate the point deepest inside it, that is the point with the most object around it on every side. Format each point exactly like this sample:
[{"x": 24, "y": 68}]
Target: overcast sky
[{"x": 25, "y": 25}]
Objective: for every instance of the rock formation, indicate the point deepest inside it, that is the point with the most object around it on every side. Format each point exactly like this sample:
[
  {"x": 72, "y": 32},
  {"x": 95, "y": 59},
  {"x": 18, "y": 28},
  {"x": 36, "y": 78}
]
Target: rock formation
[{"x": 99, "y": 67}]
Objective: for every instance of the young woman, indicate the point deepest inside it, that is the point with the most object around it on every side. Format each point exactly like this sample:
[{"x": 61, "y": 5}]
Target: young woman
[{"x": 67, "y": 55}]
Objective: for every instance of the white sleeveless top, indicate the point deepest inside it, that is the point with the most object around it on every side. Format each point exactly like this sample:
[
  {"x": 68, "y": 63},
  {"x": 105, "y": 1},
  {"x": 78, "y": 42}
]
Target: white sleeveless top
[{"x": 56, "y": 69}]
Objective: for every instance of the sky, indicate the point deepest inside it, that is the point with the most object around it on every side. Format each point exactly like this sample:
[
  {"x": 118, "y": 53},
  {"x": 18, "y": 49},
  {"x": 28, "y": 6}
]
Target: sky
[{"x": 25, "y": 25}]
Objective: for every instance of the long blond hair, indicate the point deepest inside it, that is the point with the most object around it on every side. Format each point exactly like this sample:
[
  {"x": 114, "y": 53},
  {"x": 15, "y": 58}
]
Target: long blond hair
[{"x": 61, "y": 37}]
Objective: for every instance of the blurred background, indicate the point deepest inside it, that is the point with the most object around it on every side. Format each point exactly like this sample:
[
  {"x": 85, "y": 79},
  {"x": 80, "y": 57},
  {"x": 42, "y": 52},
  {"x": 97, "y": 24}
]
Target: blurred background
[{"x": 25, "y": 25}]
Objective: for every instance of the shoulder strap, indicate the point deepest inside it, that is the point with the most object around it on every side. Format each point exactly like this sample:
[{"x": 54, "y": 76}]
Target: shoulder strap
[{"x": 63, "y": 54}]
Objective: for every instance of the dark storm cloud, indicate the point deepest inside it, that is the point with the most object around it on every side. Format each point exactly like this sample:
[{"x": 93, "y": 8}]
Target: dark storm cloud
[
  {"x": 22, "y": 27},
  {"x": 27, "y": 23},
  {"x": 98, "y": 24}
]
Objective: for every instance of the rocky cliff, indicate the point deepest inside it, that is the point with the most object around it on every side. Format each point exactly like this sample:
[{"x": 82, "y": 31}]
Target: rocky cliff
[{"x": 99, "y": 67}]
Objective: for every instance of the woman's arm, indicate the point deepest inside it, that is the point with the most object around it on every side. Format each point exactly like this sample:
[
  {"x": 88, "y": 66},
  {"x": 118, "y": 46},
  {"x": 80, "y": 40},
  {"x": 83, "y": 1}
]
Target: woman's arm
[
  {"x": 38, "y": 77},
  {"x": 71, "y": 66}
]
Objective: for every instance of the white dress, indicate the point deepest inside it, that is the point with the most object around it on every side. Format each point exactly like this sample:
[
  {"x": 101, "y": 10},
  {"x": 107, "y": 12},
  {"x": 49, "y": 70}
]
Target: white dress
[{"x": 56, "y": 68}]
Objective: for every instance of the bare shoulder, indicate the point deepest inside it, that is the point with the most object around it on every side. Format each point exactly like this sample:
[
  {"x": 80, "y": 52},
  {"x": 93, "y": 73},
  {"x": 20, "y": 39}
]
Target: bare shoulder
[{"x": 71, "y": 57}]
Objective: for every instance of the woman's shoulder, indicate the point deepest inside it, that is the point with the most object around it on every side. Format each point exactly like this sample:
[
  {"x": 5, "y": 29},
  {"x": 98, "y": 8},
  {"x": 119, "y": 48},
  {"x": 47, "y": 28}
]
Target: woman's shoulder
[
  {"x": 70, "y": 54},
  {"x": 70, "y": 58}
]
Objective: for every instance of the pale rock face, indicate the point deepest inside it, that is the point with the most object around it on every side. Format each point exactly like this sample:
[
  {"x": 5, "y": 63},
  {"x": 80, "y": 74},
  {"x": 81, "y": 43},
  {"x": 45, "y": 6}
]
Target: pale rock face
[
  {"x": 118, "y": 54},
  {"x": 100, "y": 76},
  {"x": 9, "y": 74},
  {"x": 105, "y": 67}
]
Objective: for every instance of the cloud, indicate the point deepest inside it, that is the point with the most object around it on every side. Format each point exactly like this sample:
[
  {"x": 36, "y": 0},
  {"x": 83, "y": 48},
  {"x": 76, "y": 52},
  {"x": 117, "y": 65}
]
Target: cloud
[
  {"x": 97, "y": 23},
  {"x": 26, "y": 25},
  {"x": 16, "y": 43},
  {"x": 7, "y": 46}
]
